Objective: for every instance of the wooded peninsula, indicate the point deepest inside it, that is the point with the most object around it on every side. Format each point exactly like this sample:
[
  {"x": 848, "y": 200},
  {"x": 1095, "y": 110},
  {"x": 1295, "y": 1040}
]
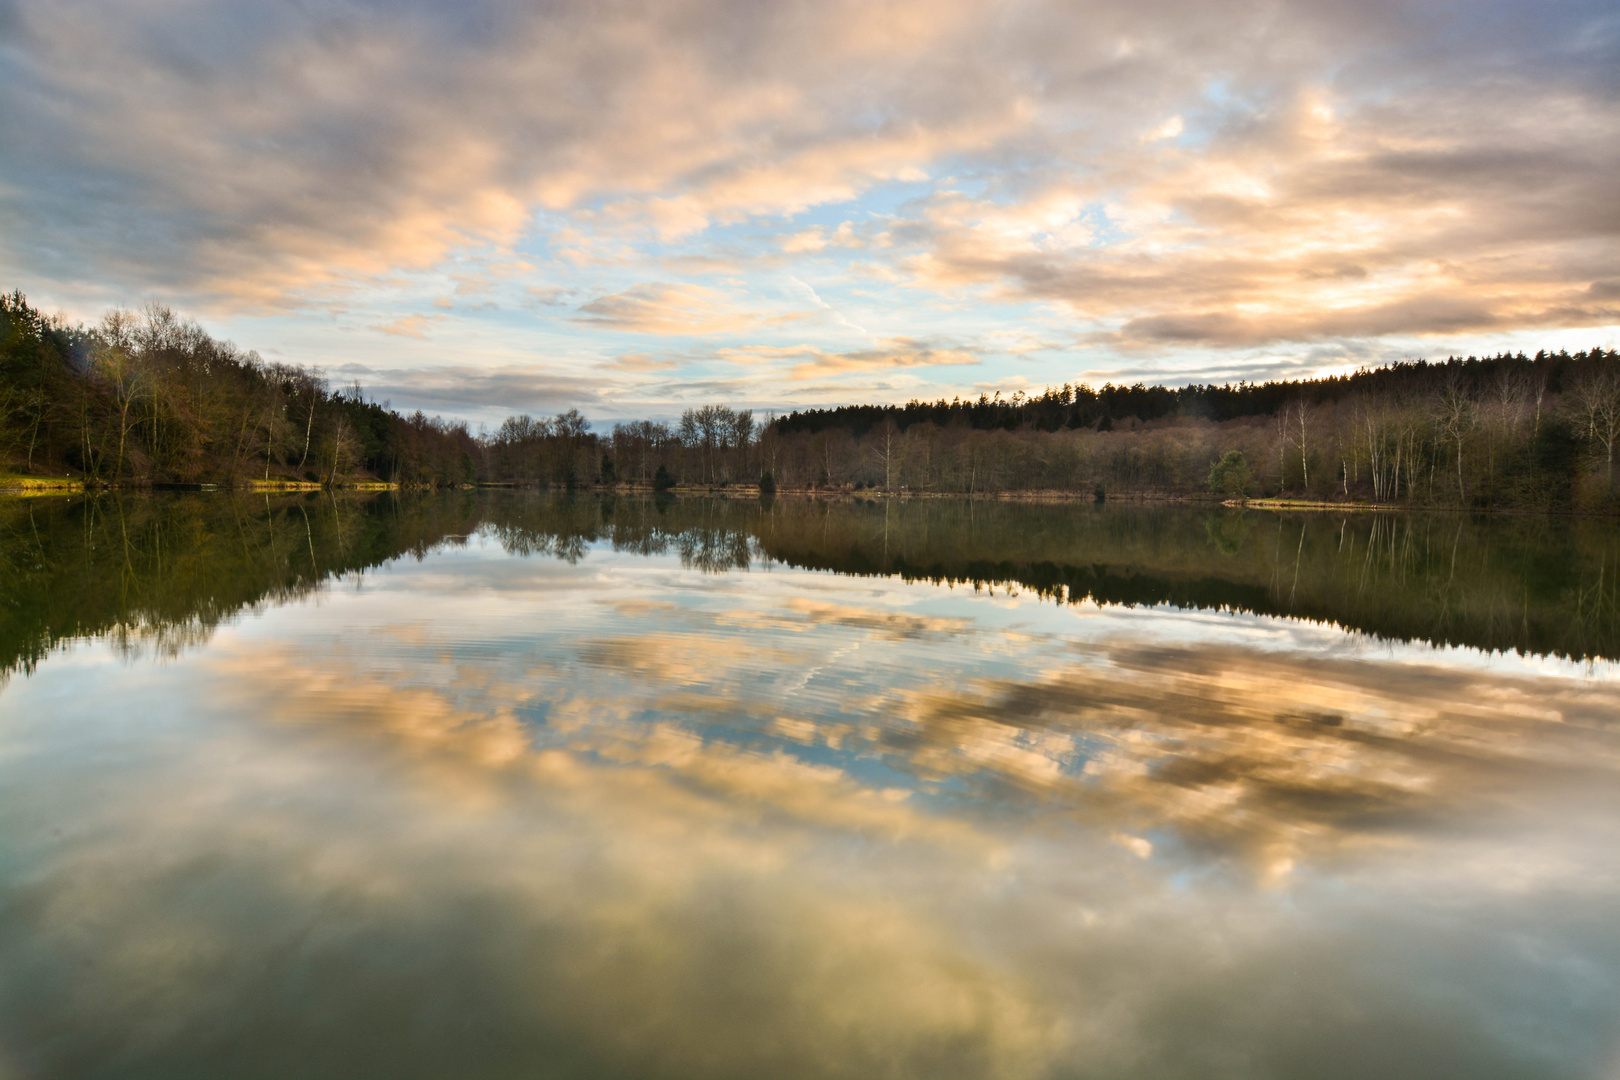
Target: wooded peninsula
[{"x": 150, "y": 398}]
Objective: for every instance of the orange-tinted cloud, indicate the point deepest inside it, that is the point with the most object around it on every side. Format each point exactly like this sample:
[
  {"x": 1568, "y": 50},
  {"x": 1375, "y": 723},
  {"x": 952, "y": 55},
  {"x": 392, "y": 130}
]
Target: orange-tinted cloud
[
  {"x": 665, "y": 309},
  {"x": 415, "y": 326},
  {"x": 815, "y": 362}
]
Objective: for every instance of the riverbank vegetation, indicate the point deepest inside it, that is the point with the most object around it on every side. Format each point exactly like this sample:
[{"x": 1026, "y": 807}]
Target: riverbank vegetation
[{"x": 148, "y": 397}]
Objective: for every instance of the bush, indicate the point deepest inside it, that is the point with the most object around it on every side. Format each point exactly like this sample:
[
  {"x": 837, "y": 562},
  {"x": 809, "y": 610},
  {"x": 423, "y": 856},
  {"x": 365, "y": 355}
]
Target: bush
[
  {"x": 662, "y": 481},
  {"x": 1230, "y": 476},
  {"x": 767, "y": 483}
]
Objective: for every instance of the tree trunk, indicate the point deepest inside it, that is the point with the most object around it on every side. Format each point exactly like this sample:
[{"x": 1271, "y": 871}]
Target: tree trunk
[
  {"x": 39, "y": 414},
  {"x": 1462, "y": 496},
  {"x": 309, "y": 426},
  {"x": 123, "y": 433}
]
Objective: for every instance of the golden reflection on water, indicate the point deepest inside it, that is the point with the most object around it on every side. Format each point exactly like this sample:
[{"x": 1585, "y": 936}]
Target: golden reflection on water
[{"x": 496, "y": 816}]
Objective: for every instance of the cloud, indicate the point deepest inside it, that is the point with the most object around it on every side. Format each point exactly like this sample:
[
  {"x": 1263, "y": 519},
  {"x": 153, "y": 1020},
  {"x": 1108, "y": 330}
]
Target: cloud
[
  {"x": 1257, "y": 757},
  {"x": 1167, "y": 130},
  {"x": 642, "y": 362},
  {"x": 415, "y": 326},
  {"x": 267, "y": 155},
  {"x": 806, "y": 614},
  {"x": 611, "y": 964},
  {"x": 462, "y": 390},
  {"x": 817, "y": 238},
  {"x": 665, "y": 309},
  {"x": 815, "y": 362},
  {"x": 1306, "y": 223},
  {"x": 810, "y": 240},
  {"x": 548, "y": 295}
]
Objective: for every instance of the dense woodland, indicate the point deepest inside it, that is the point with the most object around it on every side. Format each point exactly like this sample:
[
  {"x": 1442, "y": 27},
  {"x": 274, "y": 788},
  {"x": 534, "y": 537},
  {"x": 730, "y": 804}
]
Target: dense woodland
[{"x": 148, "y": 397}]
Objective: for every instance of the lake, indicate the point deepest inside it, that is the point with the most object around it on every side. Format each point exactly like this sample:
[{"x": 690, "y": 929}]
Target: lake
[{"x": 501, "y": 784}]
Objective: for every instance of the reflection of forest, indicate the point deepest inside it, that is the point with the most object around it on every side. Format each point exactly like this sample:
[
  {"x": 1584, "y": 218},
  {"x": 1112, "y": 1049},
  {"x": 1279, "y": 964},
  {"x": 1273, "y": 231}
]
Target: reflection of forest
[
  {"x": 1534, "y": 584},
  {"x": 158, "y": 571}
]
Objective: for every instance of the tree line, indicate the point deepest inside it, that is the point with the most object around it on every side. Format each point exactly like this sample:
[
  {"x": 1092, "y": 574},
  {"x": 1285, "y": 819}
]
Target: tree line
[
  {"x": 147, "y": 396},
  {"x": 1505, "y": 430}
]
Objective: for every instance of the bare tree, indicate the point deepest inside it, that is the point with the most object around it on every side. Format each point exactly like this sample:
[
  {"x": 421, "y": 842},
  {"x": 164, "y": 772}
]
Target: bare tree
[
  {"x": 1371, "y": 422},
  {"x": 1454, "y": 418},
  {"x": 886, "y": 448},
  {"x": 343, "y": 447},
  {"x": 1538, "y": 389},
  {"x": 118, "y": 363},
  {"x": 312, "y": 388},
  {"x": 1596, "y": 395},
  {"x": 1283, "y": 428},
  {"x": 1507, "y": 397},
  {"x": 770, "y": 444},
  {"x": 1301, "y": 414},
  {"x": 740, "y": 439}
]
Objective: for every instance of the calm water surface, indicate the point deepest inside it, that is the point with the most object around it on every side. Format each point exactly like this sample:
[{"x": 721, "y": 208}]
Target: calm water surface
[{"x": 507, "y": 786}]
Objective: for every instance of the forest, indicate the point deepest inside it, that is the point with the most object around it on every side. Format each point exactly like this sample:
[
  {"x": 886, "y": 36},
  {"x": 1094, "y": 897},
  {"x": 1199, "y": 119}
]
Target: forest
[
  {"x": 150, "y": 398},
  {"x": 1498, "y": 431}
]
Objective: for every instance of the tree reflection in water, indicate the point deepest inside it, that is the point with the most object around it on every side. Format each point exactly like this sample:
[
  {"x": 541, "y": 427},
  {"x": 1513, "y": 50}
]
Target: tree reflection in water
[{"x": 157, "y": 572}]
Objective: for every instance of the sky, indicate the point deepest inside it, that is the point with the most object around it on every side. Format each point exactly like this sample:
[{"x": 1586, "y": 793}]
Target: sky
[{"x": 635, "y": 207}]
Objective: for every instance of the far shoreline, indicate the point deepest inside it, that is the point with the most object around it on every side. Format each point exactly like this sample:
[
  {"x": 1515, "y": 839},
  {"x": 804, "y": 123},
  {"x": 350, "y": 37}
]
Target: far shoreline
[{"x": 15, "y": 486}]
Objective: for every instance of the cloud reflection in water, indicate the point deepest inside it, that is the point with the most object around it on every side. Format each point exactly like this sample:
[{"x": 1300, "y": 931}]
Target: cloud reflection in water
[{"x": 627, "y": 821}]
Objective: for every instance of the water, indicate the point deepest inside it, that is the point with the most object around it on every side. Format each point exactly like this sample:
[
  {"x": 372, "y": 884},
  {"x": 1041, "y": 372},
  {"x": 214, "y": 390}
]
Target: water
[{"x": 500, "y": 785}]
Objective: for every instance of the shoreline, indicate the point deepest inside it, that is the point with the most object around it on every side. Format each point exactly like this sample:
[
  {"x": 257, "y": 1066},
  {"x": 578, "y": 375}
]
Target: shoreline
[
  {"x": 14, "y": 484},
  {"x": 46, "y": 485},
  {"x": 33, "y": 486}
]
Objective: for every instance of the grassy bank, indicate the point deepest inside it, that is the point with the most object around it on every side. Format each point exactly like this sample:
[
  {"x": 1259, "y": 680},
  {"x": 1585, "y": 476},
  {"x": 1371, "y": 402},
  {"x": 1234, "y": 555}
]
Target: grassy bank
[{"x": 14, "y": 484}]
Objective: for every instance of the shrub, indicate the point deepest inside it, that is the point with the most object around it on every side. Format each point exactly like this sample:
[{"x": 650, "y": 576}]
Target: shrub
[{"x": 1230, "y": 475}]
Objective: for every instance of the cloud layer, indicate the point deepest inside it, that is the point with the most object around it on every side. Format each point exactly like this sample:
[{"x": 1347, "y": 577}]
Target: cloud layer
[{"x": 1128, "y": 181}]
